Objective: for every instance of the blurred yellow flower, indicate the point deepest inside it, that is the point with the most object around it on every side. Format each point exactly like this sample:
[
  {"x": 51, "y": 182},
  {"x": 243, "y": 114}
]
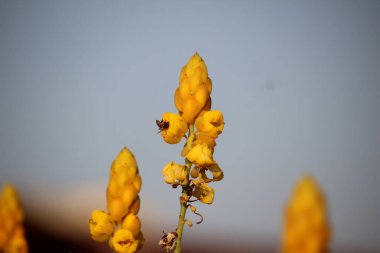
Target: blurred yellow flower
[
  {"x": 123, "y": 241},
  {"x": 201, "y": 155},
  {"x": 306, "y": 227},
  {"x": 174, "y": 174},
  {"x": 193, "y": 93},
  {"x": 101, "y": 226},
  {"x": 12, "y": 238},
  {"x": 172, "y": 127}
]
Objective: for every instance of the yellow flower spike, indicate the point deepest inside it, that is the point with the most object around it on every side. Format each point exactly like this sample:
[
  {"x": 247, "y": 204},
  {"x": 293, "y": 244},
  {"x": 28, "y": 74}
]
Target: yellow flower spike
[
  {"x": 193, "y": 92},
  {"x": 123, "y": 241},
  {"x": 123, "y": 186},
  {"x": 172, "y": 127},
  {"x": 201, "y": 155},
  {"x": 132, "y": 223},
  {"x": 175, "y": 174},
  {"x": 101, "y": 226},
  {"x": 123, "y": 204},
  {"x": 211, "y": 123},
  {"x": 204, "y": 193},
  {"x": 192, "y": 98},
  {"x": 306, "y": 227}
]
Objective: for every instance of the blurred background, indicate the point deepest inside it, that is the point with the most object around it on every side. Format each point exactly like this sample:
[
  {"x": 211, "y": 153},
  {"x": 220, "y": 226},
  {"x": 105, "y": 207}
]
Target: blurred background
[{"x": 298, "y": 83}]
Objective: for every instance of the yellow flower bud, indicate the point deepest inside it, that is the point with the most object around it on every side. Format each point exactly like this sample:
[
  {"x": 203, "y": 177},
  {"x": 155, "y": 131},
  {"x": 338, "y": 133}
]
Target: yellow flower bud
[
  {"x": 193, "y": 93},
  {"x": 132, "y": 223},
  {"x": 175, "y": 174},
  {"x": 173, "y": 127},
  {"x": 306, "y": 227},
  {"x": 123, "y": 241},
  {"x": 101, "y": 226},
  {"x": 211, "y": 123},
  {"x": 201, "y": 155},
  {"x": 123, "y": 203},
  {"x": 204, "y": 193},
  {"x": 124, "y": 167}
]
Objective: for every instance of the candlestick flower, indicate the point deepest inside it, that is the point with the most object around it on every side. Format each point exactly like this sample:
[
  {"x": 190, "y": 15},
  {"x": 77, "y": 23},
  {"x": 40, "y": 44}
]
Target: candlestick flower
[
  {"x": 200, "y": 126},
  {"x": 120, "y": 225}
]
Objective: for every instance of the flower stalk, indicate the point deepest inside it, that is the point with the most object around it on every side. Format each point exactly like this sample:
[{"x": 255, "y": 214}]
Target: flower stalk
[{"x": 186, "y": 192}]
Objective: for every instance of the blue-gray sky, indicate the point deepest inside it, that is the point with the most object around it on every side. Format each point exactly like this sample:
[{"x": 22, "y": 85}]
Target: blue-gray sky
[{"x": 298, "y": 83}]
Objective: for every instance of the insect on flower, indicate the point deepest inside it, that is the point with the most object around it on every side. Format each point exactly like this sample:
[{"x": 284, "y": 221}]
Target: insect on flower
[{"x": 162, "y": 125}]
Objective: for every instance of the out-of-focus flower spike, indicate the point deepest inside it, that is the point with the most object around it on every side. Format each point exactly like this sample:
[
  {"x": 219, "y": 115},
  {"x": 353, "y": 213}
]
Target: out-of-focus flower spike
[{"x": 306, "y": 227}]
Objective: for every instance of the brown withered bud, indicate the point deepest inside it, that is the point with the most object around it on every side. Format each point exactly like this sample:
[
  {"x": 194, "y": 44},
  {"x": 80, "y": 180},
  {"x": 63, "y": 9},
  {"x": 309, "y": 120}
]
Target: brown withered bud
[{"x": 168, "y": 240}]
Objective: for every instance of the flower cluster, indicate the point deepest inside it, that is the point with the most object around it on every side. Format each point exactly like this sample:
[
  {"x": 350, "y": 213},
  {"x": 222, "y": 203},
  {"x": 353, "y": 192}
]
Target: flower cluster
[
  {"x": 200, "y": 126},
  {"x": 12, "y": 239},
  {"x": 121, "y": 225},
  {"x": 306, "y": 227}
]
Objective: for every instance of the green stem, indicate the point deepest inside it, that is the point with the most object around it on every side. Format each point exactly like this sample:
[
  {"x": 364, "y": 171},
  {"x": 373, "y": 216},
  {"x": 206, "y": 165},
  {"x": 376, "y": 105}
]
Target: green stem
[
  {"x": 186, "y": 191},
  {"x": 181, "y": 223}
]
